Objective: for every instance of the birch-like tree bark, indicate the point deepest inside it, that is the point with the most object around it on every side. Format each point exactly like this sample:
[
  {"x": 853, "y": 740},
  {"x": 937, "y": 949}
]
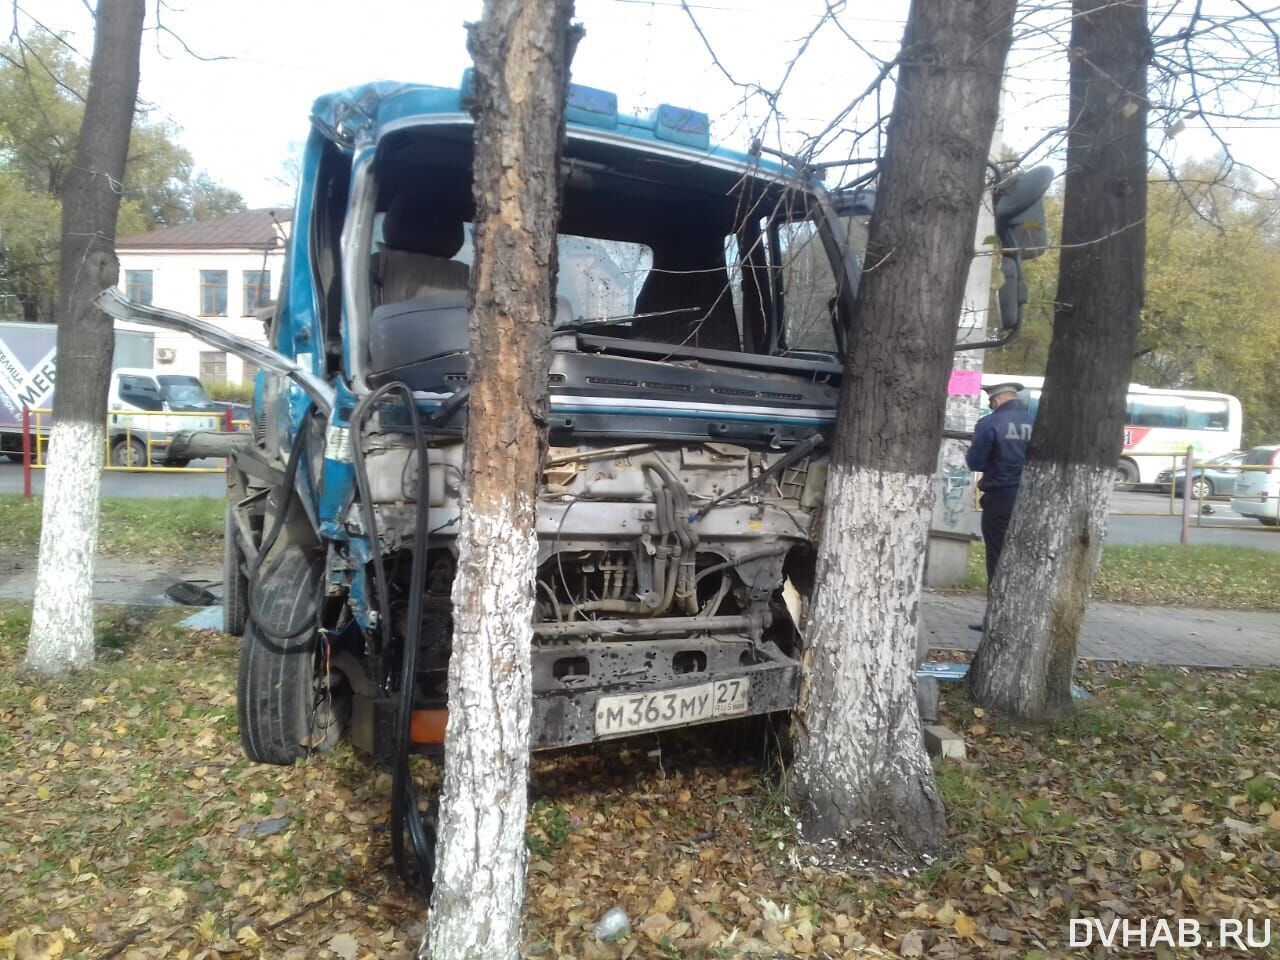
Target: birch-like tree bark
[
  {"x": 1027, "y": 657},
  {"x": 521, "y": 51},
  {"x": 61, "y": 637},
  {"x": 861, "y": 771}
]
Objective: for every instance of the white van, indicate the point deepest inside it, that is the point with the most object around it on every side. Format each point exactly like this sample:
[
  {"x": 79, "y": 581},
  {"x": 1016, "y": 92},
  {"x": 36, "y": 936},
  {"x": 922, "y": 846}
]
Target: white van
[
  {"x": 138, "y": 434},
  {"x": 1258, "y": 490}
]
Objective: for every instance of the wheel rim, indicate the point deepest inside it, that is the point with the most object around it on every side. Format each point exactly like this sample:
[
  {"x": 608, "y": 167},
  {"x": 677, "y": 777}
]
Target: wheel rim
[
  {"x": 1200, "y": 489},
  {"x": 129, "y": 454}
]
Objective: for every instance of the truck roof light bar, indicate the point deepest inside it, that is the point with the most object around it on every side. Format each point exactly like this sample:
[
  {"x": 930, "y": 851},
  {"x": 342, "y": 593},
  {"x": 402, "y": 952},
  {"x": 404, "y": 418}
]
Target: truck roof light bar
[
  {"x": 691, "y": 128},
  {"x": 587, "y": 106}
]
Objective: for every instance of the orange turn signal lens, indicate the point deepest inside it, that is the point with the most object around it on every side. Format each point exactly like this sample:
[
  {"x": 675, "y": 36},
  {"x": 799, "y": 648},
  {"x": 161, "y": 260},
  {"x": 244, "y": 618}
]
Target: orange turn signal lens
[{"x": 427, "y": 726}]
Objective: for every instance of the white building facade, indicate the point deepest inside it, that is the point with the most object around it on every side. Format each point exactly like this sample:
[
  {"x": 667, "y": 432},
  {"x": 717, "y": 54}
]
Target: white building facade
[{"x": 223, "y": 271}]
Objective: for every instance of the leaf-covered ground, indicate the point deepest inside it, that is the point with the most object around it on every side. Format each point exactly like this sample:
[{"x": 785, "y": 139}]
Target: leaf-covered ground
[{"x": 130, "y": 826}]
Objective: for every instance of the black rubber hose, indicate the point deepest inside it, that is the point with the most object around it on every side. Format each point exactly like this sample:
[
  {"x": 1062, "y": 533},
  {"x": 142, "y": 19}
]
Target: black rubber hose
[
  {"x": 358, "y": 416},
  {"x": 423, "y": 846},
  {"x": 405, "y": 816}
]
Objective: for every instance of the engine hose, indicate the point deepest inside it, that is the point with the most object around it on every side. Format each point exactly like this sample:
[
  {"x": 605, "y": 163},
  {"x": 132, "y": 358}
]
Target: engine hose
[
  {"x": 687, "y": 588},
  {"x": 678, "y": 507},
  {"x": 405, "y": 816},
  {"x": 743, "y": 558}
]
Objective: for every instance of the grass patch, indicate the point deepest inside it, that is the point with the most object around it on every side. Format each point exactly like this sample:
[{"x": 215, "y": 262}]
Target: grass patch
[
  {"x": 1198, "y": 575},
  {"x": 180, "y": 528},
  {"x": 127, "y": 812}
]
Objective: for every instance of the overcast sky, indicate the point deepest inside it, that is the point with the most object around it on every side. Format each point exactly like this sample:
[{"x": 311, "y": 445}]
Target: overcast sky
[{"x": 240, "y": 115}]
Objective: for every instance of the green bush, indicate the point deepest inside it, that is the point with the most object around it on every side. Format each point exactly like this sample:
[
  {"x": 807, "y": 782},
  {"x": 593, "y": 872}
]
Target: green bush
[{"x": 231, "y": 392}]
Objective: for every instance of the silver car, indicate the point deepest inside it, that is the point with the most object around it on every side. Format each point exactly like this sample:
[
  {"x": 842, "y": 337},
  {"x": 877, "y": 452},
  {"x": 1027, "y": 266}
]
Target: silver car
[{"x": 1258, "y": 490}]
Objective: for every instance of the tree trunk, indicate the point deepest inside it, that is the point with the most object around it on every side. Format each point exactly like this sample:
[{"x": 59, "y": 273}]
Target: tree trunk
[
  {"x": 522, "y": 53},
  {"x": 1028, "y": 652},
  {"x": 861, "y": 769},
  {"x": 62, "y": 618}
]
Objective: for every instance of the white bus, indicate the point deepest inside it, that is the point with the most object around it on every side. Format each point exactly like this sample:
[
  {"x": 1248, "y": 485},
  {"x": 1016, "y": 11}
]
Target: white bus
[{"x": 1163, "y": 422}]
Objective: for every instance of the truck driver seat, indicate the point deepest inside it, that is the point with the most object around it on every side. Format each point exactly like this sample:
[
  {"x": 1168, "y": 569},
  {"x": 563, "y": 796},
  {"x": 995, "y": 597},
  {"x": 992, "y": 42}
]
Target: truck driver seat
[{"x": 416, "y": 259}]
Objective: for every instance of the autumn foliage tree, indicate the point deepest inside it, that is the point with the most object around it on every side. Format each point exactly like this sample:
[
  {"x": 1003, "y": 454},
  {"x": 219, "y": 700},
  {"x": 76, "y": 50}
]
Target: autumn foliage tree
[
  {"x": 1212, "y": 274},
  {"x": 43, "y": 91}
]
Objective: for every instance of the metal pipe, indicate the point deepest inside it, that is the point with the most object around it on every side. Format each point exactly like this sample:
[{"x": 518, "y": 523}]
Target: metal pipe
[
  {"x": 744, "y": 558},
  {"x": 641, "y": 628}
]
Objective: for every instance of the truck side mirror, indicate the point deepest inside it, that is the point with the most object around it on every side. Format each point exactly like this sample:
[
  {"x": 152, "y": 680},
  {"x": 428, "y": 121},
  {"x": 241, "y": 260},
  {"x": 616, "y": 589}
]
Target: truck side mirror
[
  {"x": 1020, "y": 225},
  {"x": 1012, "y": 294}
]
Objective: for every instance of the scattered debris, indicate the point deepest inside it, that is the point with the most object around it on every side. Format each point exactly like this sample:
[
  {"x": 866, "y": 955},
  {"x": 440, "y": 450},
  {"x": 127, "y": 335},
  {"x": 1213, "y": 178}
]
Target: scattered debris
[
  {"x": 265, "y": 828},
  {"x": 614, "y": 925},
  {"x": 942, "y": 742},
  {"x": 190, "y": 594}
]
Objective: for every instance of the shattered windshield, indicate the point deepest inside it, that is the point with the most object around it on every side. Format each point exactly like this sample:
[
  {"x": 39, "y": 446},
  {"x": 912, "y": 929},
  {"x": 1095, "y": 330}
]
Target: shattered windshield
[
  {"x": 183, "y": 391},
  {"x": 599, "y": 280}
]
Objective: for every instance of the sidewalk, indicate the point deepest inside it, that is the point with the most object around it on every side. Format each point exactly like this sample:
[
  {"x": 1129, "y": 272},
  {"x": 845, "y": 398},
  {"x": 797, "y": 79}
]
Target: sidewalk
[
  {"x": 1179, "y": 636},
  {"x": 141, "y": 582}
]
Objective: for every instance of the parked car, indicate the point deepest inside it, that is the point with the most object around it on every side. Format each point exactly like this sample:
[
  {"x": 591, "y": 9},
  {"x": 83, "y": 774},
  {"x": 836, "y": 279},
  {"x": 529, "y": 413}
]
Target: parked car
[
  {"x": 1258, "y": 491},
  {"x": 1216, "y": 477}
]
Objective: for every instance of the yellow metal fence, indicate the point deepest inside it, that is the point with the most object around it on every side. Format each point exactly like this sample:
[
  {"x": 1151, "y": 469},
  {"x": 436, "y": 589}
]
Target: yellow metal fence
[{"x": 129, "y": 446}]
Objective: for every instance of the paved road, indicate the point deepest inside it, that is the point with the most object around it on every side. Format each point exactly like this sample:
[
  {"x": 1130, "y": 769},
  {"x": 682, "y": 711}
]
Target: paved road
[
  {"x": 1145, "y": 518},
  {"x": 1222, "y": 526},
  {"x": 180, "y": 483}
]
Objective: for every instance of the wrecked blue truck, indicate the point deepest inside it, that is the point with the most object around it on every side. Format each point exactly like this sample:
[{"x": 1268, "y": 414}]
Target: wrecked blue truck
[{"x": 700, "y": 311}]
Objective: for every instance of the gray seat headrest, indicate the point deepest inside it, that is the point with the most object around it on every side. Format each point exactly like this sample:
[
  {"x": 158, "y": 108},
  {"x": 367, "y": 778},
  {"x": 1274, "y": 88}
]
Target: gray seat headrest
[{"x": 412, "y": 223}]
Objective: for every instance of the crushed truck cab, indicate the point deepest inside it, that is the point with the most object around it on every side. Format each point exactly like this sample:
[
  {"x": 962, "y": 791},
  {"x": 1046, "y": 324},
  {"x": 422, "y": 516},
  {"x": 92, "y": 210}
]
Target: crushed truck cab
[
  {"x": 700, "y": 299},
  {"x": 700, "y": 307}
]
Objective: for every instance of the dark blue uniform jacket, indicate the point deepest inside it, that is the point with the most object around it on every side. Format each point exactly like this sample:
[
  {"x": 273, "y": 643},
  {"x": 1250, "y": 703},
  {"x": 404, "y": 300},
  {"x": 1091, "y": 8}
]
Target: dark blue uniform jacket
[{"x": 999, "y": 448}]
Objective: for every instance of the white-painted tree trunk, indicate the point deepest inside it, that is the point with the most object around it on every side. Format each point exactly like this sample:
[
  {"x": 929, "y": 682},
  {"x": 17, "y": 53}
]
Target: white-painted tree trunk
[
  {"x": 1027, "y": 656},
  {"x": 861, "y": 771},
  {"x": 61, "y": 636},
  {"x": 487, "y": 745},
  {"x": 1025, "y": 664}
]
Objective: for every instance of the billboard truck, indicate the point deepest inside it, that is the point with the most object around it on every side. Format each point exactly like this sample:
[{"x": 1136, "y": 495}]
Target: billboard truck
[{"x": 28, "y": 375}]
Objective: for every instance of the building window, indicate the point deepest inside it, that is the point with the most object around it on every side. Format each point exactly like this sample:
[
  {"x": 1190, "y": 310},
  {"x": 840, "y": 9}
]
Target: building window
[
  {"x": 213, "y": 293},
  {"x": 213, "y": 366},
  {"x": 257, "y": 290},
  {"x": 137, "y": 286}
]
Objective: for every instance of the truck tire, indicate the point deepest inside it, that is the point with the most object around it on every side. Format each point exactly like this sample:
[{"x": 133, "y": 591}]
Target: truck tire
[
  {"x": 281, "y": 704},
  {"x": 1127, "y": 472},
  {"x": 128, "y": 452},
  {"x": 235, "y": 584}
]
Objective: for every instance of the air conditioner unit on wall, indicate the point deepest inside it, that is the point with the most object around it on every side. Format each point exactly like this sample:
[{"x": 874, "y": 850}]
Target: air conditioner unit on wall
[{"x": 166, "y": 354}]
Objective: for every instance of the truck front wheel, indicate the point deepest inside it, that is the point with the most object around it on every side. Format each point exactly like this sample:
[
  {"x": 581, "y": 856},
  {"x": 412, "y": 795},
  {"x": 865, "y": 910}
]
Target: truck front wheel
[
  {"x": 128, "y": 452},
  {"x": 284, "y": 708},
  {"x": 289, "y": 702},
  {"x": 235, "y": 584}
]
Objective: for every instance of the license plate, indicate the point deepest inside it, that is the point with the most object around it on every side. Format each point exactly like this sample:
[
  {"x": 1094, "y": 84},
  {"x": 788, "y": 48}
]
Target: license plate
[{"x": 670, "y": 708}]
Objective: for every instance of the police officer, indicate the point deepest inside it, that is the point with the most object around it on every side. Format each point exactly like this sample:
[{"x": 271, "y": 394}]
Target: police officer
[{"x": 998, "y": 452}]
